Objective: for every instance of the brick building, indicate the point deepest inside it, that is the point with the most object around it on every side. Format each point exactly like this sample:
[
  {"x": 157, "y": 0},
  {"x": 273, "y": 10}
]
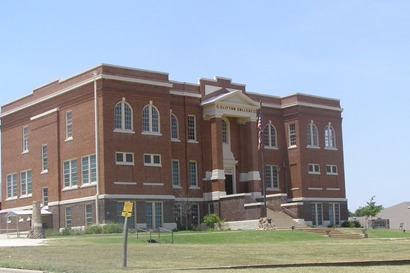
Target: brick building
[{"x": 84, "y": 145}]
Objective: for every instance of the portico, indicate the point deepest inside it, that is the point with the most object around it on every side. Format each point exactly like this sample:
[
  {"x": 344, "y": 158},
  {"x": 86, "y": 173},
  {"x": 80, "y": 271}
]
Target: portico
[{"x": 233, "y": 131}]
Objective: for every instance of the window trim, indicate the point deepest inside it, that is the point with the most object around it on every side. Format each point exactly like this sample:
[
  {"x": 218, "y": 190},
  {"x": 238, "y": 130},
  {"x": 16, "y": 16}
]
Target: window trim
[
  {"x": 312, "y": 134},
  {"x": 270, "y": 185},
  {"x": 124, "y": 156},
  {"x": 25, "y": 140},
  {"x": 292, "y": 136},
  {"x": 175, "y": 176},
  {"x": 269, "y": 127},
  {"x": 68, "y": 125},
  {"x": 174, "y": 127},
  {"x": 152, "y": 158},
  {"x": 44, "y": 159},
  {"x": 191, "y": 129},
  {"x": 90, "y": 171},
  {"x": 73, "y": 184},
  {"x": 68, "y": 217},
  {"x": 314, "y": 169},
  {"x": 123, "y": 104},
  {"x": 331, "y": 170},
  {"x": 151, "y": 108},
  {"x": 330, "y": 137},
  {"x": 193, "y": 175},
  {"x": 26, "y": 183},
  {"x": 44, "y": 197},
  {"x": 88, "y": 215},
  {"x": 12, "y": 185}
]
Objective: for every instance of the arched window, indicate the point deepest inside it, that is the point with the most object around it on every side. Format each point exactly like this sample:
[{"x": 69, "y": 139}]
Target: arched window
[
  {"x": 312, "y": 137},
  {"x": 225, "y": 131},
  {"x": 174, "y": 127},
  {"x": 150, "y": 119},
  {"x": 330, "y": 139},
  {"x": 123, "y": 116},
  {"x": 269, "y": 135}
]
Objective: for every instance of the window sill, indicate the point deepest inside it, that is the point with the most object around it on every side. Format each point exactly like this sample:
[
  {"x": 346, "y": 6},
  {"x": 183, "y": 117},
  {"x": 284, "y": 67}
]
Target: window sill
[
  {"x": 313, "y": 147},
  {"x": 154, "y": 184},
  {"x": 26, "y": 196},
  {"x": 175, "y": 140},
  {"x": 70, "y": 188},
  {"x": 314, "y": 173},
  {"x": 44, "y": 172},
  {"x": 331, "y": 149},
  {"x": 176, "y": 187},
  {"x": 151, "y": 134},
  {"x": 88, "y": 185},
  {"x": 124, "y": 131},
  {"x": 315, "y": 189},
  {"x": 193, "y": 141},
  {"x": 271, "y": 148},
  {"x": 125, "y": 164},
  {"x": 11, "y": 198},
  {"x": 292, "y": 147},
  {"x": 123, "y": 183},
  {"x": 24, "y": 152},
  {"x": 69, "y": 139},
  {"x": 194, "y": 188},
  {"x": 272, "y": 189},
  {"x": 152, "y": 165},
  {"x": 334, "y": 174}
]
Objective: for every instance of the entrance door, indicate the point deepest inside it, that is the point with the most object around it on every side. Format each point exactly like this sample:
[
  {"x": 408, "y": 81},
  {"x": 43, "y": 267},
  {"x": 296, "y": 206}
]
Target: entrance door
[{"x": 228, "y": 184}]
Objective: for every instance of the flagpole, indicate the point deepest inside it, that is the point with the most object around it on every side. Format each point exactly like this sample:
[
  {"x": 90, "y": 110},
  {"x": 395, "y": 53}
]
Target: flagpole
[{"x": 262, "y": 148}]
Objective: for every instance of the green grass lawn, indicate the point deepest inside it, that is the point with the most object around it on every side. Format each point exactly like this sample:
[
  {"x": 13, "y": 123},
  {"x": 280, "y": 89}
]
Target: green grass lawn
[{"x": 102, "y": 253}]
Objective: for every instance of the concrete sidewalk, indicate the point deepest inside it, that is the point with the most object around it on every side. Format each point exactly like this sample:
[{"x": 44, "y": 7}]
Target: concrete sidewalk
[
  {"x": 12, "y": 240},
  {"x": 10, "y": 270}
]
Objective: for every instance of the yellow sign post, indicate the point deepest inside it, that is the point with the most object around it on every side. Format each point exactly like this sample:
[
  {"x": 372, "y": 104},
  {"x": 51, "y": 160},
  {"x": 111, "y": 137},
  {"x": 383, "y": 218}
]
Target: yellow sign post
[{"x": 126, "y": 212}]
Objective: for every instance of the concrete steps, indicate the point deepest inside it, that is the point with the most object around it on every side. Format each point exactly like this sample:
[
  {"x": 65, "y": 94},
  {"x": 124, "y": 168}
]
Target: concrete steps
[
  {"x": 334, "y": 233},
  {"x": 283, "y": 221}
]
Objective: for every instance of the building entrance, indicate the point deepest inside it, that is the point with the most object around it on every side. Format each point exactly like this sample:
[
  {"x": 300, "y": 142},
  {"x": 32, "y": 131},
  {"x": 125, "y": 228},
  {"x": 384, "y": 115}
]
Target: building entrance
[{"x": 228, "y": 184}]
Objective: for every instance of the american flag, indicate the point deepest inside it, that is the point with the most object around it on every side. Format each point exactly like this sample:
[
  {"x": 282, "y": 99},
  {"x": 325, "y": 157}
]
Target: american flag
[{"x": 260, "y": 131}]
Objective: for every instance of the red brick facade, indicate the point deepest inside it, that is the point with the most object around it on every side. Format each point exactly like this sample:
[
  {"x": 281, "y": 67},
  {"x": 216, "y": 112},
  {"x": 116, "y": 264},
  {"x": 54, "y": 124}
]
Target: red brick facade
[{"x": 165, "y": 144}]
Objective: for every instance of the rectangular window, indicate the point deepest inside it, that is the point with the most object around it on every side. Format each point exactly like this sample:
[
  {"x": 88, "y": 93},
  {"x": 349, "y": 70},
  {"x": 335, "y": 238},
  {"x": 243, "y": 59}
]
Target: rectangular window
[
  {"x": 26, "y": 183},
  {"x": 334, "y": 214},
  {"x": 316, "y": 214},
  {"x": 211, "y": 208},
  {"x": 25, "y": 139},
  {"x": 153, "y": 214},
  {"x": 44, "y": 158},
  {"x": 124, "y": 158},
  {"x": 314, "y": 168},
  {"x": 175, "y": 173},
  {"x": 193, "y": 174},
  {"x": 120, "y": 218},
  {"x": 70, "y": 173},
  {"x": 331, "y": 169},
  {"x": 68, "y": 217},
  {"x": 272, "y": 177},
  {"x": 292, "y": 134},
  {"x": 88, "y": 214},
  {"x": 195, "y": 215},
  {"x": 11, "y": 185},
  {"x": 45, "y": 197},
  {"x": 191, "y": 128},
  {"x": 152, "y": 160},
  {"x": 69, "y": 125},
  {"x": 89, "y": 169}
]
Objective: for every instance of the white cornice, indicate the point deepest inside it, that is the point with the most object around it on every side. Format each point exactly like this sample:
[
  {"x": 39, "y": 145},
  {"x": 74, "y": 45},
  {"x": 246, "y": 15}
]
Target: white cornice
[
  {"x": 313, "y": 105},
  {"x": 82, "y": 83},
  {"x": 185, "y": 94},
  {"x": 317, "y": 199}
]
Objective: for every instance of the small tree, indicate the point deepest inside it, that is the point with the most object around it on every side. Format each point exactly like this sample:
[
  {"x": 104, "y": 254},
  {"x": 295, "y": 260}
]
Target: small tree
[{"x": 370, "y": 210}]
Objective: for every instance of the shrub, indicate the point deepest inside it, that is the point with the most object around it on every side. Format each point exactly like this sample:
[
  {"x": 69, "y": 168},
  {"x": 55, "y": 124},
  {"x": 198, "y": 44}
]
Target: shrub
[
  {"x": 112, "y": 228},
  {"x": 351, "y": 224},
  {"x": 93, "y": 229},
  {"x": 213, "y": 221}
]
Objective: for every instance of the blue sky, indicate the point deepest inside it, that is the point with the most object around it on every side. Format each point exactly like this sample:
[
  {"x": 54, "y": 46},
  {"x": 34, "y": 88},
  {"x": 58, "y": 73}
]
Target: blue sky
[{"x": 355, "y": 51}]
